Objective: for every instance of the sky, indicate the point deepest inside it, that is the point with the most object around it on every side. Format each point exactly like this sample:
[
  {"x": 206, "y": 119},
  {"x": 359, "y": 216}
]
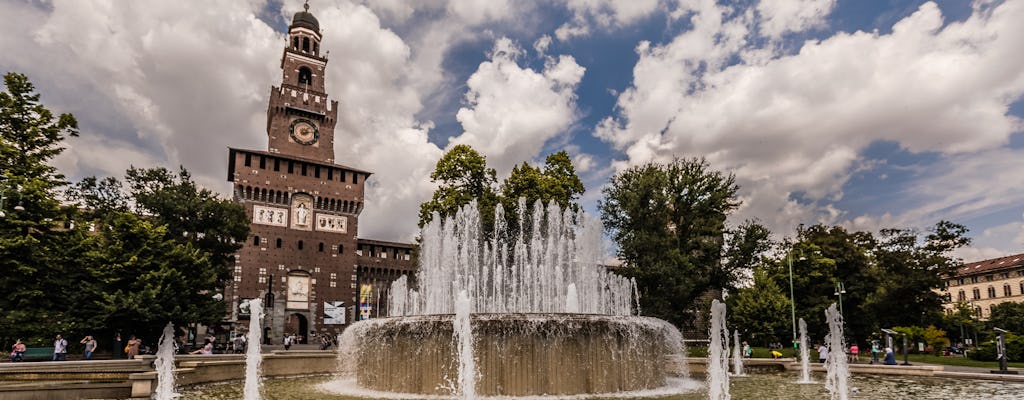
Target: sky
[{"x": 863, "y": 114}]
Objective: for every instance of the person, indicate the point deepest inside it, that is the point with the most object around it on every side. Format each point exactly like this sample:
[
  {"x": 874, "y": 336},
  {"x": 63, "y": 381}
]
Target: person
[
  {"x": 874, "y": 351},
  {"x": 18, "y": 351},
  {"x": 822, "y": 353},
  {"x": 890, "y": 357},
  {"x": 207, "y": 349},
  {"x": 239, "y": 343},
  {"x": 133, "y": 347},
  {"x": 60, "y": 349},
  {"x": 325, "y": 342},
  {"x": 747, "y": 351},
  {"x": 118, "y": 346},
  {"x": 90, "y": 346},
  {"x": 854, "y": 353},
  {"x": 287, "y": 341}
]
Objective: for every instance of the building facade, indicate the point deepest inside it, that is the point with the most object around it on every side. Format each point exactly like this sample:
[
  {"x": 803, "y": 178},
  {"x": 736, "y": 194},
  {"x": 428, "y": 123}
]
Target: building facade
[
  {"x": 303, "y": 255},
  {"x": 984, "y": 284}
]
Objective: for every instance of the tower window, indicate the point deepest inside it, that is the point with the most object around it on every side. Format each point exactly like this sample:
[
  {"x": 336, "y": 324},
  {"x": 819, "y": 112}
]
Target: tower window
[
  {"x": 316, "y": 47},
  {"x": 341, "y": 250},
  {"x": 355, "y": 178},
  {"x": 305, "y": 44},
  {"x": 321, "y": 247},
  {"x": 277, "y": 165},
  {"x": 300, "y": 245},
  {"x": 295, "y": 43},
  {"x": 263, "y": 162},
  {"x": 342, "y": 175},
  {"x": 248, "y": 160},
  {"x": 255, "y": 240},
  {"x": 278, "y": 243},
  {"x": 305, "y": 76},
  {"x": 303, "y": 169},
  {"x": 330, "y": 174}
]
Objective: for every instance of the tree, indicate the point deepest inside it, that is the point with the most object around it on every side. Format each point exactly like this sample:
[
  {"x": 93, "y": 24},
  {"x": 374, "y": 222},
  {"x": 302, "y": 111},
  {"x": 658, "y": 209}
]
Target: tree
[
  {"x": 668, "y": 221},
  {"x": 744, "y": 250},
  {"x": 33, "y": 254},
  {"x": 557, "y": 183},
  {"x": 760, "y": 311},
  {"x": 462, "y": 176},
  {"x": 1008, "y": 315}
]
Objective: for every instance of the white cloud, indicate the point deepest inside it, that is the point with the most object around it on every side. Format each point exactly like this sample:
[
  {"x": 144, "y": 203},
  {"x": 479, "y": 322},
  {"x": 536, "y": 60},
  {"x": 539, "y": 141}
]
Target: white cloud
[
  {"x": 779, "y": 17},
  {"x": 511, "y": 111},
  {"x": 603, "y": 13},
  {"x": 797, "y": 123}
]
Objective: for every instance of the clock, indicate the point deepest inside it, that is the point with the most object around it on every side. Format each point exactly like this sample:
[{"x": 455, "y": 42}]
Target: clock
[{"x": 304, "y": 131}]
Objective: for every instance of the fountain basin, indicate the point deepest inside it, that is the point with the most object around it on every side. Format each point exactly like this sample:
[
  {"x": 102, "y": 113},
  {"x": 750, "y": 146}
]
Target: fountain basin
[{"x": 515, "y": 354}]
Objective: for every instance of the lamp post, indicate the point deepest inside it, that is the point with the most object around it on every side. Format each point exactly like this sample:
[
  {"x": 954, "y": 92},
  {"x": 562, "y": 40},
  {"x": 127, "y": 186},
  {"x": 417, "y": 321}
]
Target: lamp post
[
  {"x": 792, "y": 299},
  {"x": 840, "y": 291}
]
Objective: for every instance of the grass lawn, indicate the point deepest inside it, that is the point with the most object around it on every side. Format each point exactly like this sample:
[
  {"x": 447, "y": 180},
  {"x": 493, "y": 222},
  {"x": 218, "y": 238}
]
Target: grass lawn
[
  {"x": 759, "y": 352},
  {"x": 957, "y": 361}
]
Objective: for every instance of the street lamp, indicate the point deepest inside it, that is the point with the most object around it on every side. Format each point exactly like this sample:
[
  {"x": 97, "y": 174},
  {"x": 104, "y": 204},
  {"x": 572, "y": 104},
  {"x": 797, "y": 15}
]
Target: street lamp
[
  {"x": 792, "y": 299},
  {"x": 840, "y": 291}
]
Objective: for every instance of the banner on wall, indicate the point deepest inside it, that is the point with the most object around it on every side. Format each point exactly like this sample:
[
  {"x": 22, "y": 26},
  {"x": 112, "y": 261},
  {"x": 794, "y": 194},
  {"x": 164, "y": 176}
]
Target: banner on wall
[
  {"x": 365, "y": 301},
  {"x": 334, "y": 313}
]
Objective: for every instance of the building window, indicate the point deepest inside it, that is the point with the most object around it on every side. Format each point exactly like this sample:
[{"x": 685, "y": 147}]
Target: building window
[
  {"x": 255, "y": 240},
  {"x": 334, "y": 284},
  {"x": 976, "y": 293},
  {"x": 341, "y": 250},
  {"x": 263, "y": 271},
  {"x": 977, "y": 311},
  {"x": 334, "y": 275},
  {"x": 316, "y": 269},
  {"x": 316, "y": 171},
  {"x": 320, "y": 248},
  {"x": 355, "y": 178},
  {"x": 291, "y": 169},
  {"x": 263, "y": 162},
  {"x": 991, "y": 292},
  {"x": 1005, "y": 275},
  {"x": 960, "y": 281},
  {"x": 305, "y": 44},
  {"x": 300, "y": 245},
  {"x": 961, "y": 296},
  {"x": 330, "y": 174},
  {"x": 263, "y": 279},
  {"x": 248, "y": 160},
  {"x": 974, "y": 279},
  {"x": 279, "y": 243},
  {"x": 988, "y": 278},
  {"x": 1007, "y": 291},
  {"x": 238, "y": 278},
  {"x": 305, "y": 76},
  {"x": 303, "y": 169},
  {"x": 341, "y": 174}
]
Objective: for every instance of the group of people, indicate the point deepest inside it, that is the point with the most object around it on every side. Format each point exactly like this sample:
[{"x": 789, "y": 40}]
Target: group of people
[
  {"x": 853, "y": 353},
  {"x": 89, "y": 345}
]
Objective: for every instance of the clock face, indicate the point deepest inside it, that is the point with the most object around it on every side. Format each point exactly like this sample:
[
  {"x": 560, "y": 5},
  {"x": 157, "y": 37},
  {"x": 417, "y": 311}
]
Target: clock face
[{"x": 304, "y": 131}]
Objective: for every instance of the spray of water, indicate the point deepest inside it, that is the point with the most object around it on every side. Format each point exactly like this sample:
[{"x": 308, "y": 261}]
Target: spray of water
[
  {"x": 805, "y": 355},
  {"x": 464, "y": 336},
  {"x": 165, "y": 365},
  {"x": 838, "y": 372},
  {"x": 718, "y": 354},
  {"x": 737, "y": 356},
  {"x": 253, "y": 356}
]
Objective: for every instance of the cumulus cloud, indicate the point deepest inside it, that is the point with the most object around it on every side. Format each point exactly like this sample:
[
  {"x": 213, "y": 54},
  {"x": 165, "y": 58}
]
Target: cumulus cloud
[
  {"x": 512, "y": 111},
  {"x": 603, "y": 14},
  {"x": 794, "y": 125},
  {"x": 779, "y": 17}
]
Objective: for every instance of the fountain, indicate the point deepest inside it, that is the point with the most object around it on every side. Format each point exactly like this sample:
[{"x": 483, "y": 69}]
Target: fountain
[
  {"x": 718, "y": 354},
  {"x": 838, "y": 372},
  {"x": 737, "y": 356},
  {"x": 535, "y": 313},
  {"x": 165, "y": 365},
  {"x": 253, "y": 354},
  {"x": 805, "y": 355}
]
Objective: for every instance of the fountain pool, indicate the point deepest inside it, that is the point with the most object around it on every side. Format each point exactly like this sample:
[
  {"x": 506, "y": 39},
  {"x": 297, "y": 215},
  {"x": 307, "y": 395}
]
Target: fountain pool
[{"x": 775, "y": 386}]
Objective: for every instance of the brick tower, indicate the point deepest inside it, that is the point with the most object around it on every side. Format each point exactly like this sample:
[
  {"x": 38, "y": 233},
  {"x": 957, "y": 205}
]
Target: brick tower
[{"x": 303, "y": 207}]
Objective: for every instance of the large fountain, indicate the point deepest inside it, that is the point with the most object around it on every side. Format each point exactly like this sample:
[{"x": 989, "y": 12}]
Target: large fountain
[{"x": 538, "y": 311}]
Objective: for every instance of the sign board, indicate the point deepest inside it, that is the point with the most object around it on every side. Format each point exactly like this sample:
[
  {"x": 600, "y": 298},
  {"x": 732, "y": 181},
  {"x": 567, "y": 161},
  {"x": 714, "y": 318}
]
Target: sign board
[{"x": 334, "y": 313}]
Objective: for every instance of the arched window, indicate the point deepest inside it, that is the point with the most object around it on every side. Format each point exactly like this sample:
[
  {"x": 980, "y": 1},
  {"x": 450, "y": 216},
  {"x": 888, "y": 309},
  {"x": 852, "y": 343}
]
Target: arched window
[
  {"x": 316, "y": 47},
  {"x": 279, "y": 243},
  {"x": 295, "y": 43},
  {"x": 977, "y": 311},
  {"x": 300, "y": 245},
  {"x": 305, "y": 76},
  {"x": 255, "y": 240},
  {"x": 991, "y": 292},
  {"x": 961, "y": 296},
  {"x": 305, "y": 44},
  {"x": 1007, "y": 291},
  {"x": 977, "y": 293}
]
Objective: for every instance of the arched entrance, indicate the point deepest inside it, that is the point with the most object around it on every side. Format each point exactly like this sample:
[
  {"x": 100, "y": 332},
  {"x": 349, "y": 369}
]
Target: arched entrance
[{"x": 298, "y": 325}]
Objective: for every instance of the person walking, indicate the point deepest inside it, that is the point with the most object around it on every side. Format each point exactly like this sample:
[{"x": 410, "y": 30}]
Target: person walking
[
  {"x": 60, "y": 349},
  {"x": 822, "y": 353},
  {"x": 854, "y": 353},
  {"x": 133, "y": 347},
  {"x": 18, "y": 351},
  {"x": 90, "y": 346}
]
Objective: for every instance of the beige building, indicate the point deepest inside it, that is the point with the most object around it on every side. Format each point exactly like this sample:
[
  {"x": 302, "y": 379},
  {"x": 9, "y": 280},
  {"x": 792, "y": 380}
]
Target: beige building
[{"x": 983, "y": 284}]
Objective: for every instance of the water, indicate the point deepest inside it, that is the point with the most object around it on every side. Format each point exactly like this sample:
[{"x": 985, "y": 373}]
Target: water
[
  {"x": 837, "y": 378},
  {"x": 776, "y": 386},
  {"x": 718, "y": 352},
  {"x": 464, "y": 335},
  {"x": 737, "y": 356},
  {"x": 253, "y": 355},
  {"x": 527, "y": 272},
  {"x": 805, "y": 355},
  {"x": 165, "y": 365}
]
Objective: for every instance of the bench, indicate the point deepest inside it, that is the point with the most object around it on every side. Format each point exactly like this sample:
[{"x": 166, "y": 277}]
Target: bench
[{"x": 37, "y": 354}]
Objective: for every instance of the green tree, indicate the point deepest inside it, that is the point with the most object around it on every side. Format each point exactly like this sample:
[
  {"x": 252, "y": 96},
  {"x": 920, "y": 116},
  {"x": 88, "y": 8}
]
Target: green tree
[
  {"x": 1007, "y": 315},
  {"x": 462, "y": 176},
  {"x": 760, "y": 311},
  {"x": 34, "y": 255},
  {"x": 668, "y": 221},
  {"x": 557, "y": 183},
  {"x": 744, "y": 250}
]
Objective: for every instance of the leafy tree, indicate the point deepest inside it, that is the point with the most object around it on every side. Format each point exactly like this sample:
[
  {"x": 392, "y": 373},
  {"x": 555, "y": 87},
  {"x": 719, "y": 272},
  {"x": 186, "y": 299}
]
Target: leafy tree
[
  {"x": 760, "y": 311},
  {"x": 1007, "y": 315},
  {"x": 33, "y": 254},
  {"x": 557, "y": 182},
  {"x": 462, "y": 176},
  {"x": 668, "y": 221},
  {"x": 744, "y": 250}
]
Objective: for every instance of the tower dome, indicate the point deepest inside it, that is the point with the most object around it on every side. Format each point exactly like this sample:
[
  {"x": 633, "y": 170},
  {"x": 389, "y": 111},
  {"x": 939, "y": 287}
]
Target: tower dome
[{"x": 305, "y": 19}]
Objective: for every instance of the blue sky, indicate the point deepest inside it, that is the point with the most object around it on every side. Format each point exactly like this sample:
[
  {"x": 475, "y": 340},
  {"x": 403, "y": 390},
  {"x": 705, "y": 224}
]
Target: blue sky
[{"x": 866, "y": 114}]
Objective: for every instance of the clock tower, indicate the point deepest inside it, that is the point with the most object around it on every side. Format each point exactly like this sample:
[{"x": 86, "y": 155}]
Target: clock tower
[{"x": 300, "y": 117}]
